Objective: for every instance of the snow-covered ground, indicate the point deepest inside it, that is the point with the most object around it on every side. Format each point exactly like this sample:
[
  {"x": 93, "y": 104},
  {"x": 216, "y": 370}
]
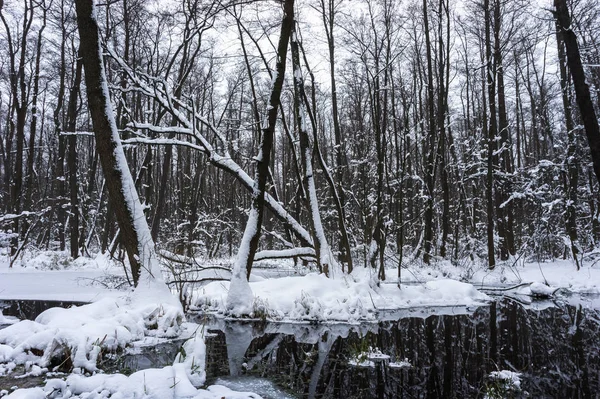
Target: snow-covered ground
[
  {"x": 358, "y": 297},
  {"x": 314, "y": 297},
  {"x": 285, "y": 293},
  {"x": 76, "y": 338},
  {"x": 53, "y": 276},
  {"x": 117, "y": 319}
]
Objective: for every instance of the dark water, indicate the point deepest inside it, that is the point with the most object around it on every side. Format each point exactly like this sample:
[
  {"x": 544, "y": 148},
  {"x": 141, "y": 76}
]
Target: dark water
[
  {"x": 29, "y": 310},
  {"x": 556, "y": 349}
]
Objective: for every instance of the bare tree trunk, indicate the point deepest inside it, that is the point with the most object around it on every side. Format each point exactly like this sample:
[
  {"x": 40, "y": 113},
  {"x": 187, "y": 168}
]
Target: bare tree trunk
[
  {"x": 572, "y": 161},
  {"x": 239, "y": 290},
  {"x": 430, "y": 161},
  {"x": 320, "y": 241},
  {"x": 72, "y": 161},
  {"x": 135, "y": 234},
  {"x": 328, "y": 14},
  {"x": 491, "y": 136},
  {"x": 34, "y": 119},
  {"x": 582, "y": 90}
]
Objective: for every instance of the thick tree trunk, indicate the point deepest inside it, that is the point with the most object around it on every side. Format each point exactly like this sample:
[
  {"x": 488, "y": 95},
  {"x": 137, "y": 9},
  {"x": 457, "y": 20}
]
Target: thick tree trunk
[
  {"x": 135, "y": 234},
  {"x": 582, "y": 90},
  {"x": 491, "y": 136},
  {"x": 504, "y": 213},
  {"x": 572, "y": 161},
  {"x": 430, "y": 161}
]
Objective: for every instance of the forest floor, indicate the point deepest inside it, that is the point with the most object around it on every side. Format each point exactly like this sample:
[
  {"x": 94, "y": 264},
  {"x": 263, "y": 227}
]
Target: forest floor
[
  {"x": 285, "y": 292},
  {"x": 281, "y": 293}
]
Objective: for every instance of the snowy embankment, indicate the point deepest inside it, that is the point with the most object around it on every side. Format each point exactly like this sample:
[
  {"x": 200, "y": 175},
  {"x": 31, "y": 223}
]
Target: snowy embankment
[
  {"x": 75, "y": 339},
  {"x": 355, "y": 298},
  {"x": 54, "y": 276},
  {"x": 554, "y": 274},
  {"x": 181, "y": 380}
]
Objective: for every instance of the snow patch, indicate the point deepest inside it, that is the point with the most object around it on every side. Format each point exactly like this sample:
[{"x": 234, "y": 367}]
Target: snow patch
[
  {"x": 314, "y": 297},
  {"x": 80, "y": 334}
]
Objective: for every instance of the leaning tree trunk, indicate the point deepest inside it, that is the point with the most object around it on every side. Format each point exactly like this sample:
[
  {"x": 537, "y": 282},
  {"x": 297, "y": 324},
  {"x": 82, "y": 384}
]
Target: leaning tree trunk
[
  {"x": 239, "y": 298},
  {"x": 135, "y": 234},
  {"x": 582, "y": 90}
]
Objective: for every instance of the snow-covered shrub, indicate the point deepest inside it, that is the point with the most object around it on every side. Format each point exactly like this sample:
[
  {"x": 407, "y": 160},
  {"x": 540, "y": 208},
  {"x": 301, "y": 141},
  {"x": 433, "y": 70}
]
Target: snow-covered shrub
[{"x": 502, "y": 384}]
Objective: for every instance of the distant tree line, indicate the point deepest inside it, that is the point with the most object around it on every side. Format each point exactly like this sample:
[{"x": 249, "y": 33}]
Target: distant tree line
[{"x": 403, "y": 131}]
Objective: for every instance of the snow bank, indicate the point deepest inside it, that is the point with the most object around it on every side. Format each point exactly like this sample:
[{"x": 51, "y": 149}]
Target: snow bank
[
  {"x": 556, "y": 274},
  {"x": 181, "y": 380},
  {"x": 80, "y": 334},
  {"x": 7, "y": 319},
  {"x": 314, "y": 297},
  {"x": 149, "y": 384}
]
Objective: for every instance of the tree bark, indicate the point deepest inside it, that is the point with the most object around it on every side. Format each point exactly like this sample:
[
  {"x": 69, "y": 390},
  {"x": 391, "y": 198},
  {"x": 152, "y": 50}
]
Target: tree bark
[
  {"x": 135, "y": 234},
  {"x": 239, "y": 290},
  {"x": 582, "y": 90},
  {"x": 72, "y": 161}
]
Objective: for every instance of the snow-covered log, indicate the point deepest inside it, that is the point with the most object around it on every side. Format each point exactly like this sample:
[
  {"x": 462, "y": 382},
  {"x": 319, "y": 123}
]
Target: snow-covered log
[{"x": 285, "y": 253}]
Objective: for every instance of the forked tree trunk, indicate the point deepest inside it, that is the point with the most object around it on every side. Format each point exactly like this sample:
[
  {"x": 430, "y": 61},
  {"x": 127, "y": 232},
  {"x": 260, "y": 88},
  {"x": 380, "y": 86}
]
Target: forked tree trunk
[{"x": 239, "y": 297}]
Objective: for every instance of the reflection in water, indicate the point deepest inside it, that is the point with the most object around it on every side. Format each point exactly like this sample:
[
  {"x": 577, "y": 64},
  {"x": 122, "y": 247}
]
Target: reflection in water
[{"x": 556, "y": 350}]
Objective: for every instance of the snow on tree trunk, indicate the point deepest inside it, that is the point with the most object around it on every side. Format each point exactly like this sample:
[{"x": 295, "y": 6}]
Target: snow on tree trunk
[
  {"x": 323, "y": 252},
  {"x": 123, "y": 196},
  {"x": 239, "y": 298}
]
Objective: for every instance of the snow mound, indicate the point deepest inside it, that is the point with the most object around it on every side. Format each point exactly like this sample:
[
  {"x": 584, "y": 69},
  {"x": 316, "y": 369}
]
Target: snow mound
[
  {"x": 179, "y": 381},
  {"x": 62, "y": 260},
  {"x": 314, "y": 297},
  {"x": 541, "y": 290},
  {"x": 401, "y": 364},
  {"x": 168, "y": 382},
  {"x": 7, "y": 319},
  {"x": 79, "y": 335}
]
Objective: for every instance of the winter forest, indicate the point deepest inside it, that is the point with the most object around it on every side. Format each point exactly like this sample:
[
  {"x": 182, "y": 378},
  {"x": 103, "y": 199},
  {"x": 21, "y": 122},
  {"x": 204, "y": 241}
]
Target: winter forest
[{"x": 404, "y": 177}]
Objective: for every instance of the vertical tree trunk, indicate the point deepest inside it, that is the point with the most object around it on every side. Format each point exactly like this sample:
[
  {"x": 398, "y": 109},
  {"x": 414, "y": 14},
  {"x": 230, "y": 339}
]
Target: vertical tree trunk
[
  {"x": 328, "y": 14},
  {"x": 491, "y": 137},
  {"x": 72, "y": 161},
  {"x": 443, "y": 64},
  {"x": 59, "y": 177},
  {"x": 29, "y": 185},
  {"x": 430, "y": 161},
  {"x": 504, "y": 213},
  {"x": 572, "y": 161}
]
